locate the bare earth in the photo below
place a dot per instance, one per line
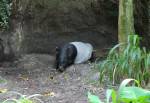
(35, 74)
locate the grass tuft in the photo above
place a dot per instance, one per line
(132, 62)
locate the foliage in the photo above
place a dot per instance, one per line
(93, 98)
(5, 11)
(125, 94)
(132, 62)
(2, 80)
(24, 99)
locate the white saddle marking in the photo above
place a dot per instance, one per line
(84, 51)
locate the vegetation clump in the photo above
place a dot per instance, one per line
(125, 94)
(5, 12)
(131, 62)
(23, 98)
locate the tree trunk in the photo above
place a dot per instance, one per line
(148, 18)
(126, 20)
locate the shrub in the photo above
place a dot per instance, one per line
(5, 11)
(131, 62)
(23, 98)
(125, 94)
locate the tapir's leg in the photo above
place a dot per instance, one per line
(56, 58)
(56, 64)
(93, 56)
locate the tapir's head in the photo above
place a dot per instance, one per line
(65, 56)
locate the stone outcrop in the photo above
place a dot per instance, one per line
(39, 25)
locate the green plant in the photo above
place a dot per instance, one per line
(23, 98)
(125, 94)
(2, 80)
(5, 12)
(131, 62)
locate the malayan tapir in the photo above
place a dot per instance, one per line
(73, 53)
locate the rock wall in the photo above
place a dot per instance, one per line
(37, 26)
(142, 20)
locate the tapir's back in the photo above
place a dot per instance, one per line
(84, 51)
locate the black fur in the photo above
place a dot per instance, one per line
(65, 56)
(93, 56)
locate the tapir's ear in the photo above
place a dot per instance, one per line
(57, 48)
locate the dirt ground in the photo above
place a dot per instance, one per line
(35, 74)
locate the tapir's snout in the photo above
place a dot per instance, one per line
(61, 68)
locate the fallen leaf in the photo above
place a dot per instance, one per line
(2, 90)
(52, 94)
(24, 78)
(51, 78)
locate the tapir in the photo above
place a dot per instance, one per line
(73, 53)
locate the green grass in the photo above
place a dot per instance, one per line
(125, 94)
(23, 98)
(2, 80)
(132, 62)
